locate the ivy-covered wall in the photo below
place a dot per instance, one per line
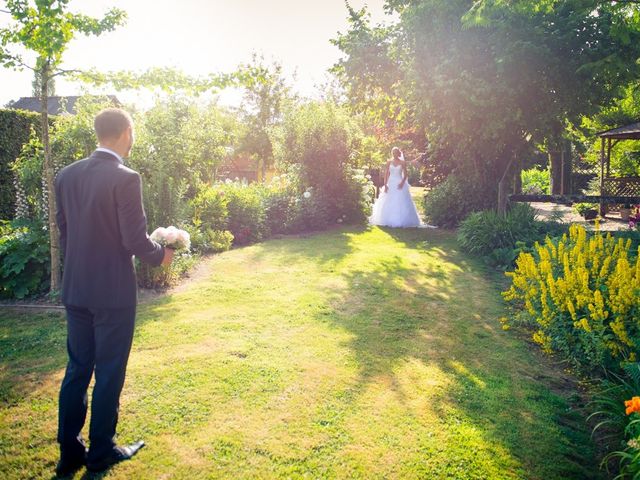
(15, 126)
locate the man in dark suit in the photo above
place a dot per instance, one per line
(102, 226)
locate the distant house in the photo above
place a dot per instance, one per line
(241, 167)
(55, 105)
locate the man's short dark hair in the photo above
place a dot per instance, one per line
(110, 123)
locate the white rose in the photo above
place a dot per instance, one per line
(306, 194)
(159, 234)
(172, 235)
(184, 238)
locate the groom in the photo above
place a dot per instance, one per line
(102, 226)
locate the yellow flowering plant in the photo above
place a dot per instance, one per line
(581, 292)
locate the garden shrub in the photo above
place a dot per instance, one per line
(582, 294)
(208, 240)
(24, 259)
(15, 129)
(246, 219)
(501, 238)
(167, 275)
(583, 207)
(536, 181)
(209, 208)
(319, 138)
(616, 408)
(450, 202)
(29, 180)
(179, 146)
(308, 212)
(279, 208)
(72, 138)
(483, 232)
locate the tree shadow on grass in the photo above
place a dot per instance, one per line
(323, 247)
(436, 311)
(32, 346)
(448, 318)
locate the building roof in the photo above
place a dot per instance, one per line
(55, 105)
(628, 132)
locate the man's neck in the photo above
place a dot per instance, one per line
(111, 150)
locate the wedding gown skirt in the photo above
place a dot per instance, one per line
(395, 208)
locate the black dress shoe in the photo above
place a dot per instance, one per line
(118, 454)
(70, 464)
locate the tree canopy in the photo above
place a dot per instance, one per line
(46, 27)
(488, 80)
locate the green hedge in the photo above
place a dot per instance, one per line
(15, 126)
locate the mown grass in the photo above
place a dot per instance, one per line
(357, 353)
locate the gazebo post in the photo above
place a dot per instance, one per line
(609, 148)
(602, 160)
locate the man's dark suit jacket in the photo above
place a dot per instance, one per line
(102, 225)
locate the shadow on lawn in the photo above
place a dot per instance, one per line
(396, 312)
(449, 319)
(32, 346)
(325, 247)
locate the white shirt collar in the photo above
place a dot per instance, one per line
(102, 149)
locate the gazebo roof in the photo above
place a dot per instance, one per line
(628, 132)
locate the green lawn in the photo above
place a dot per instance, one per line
(357, 353)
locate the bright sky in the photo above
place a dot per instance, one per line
(204, 36)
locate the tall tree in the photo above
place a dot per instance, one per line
(46, 27)
(266, 92)
(36, 85)
(490, 79)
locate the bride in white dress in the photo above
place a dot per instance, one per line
(394, 207)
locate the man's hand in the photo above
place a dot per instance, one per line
(168, 256)
(400, 185)
(386, 188)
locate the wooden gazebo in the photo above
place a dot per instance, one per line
(613, 190)
(627, 188)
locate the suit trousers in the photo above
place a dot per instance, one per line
(98, 341)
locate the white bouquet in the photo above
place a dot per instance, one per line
(172, 237)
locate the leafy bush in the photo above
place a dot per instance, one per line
(582, 208)
(209, 208)
(72, 138)
(450, 202)
(616, 408)
(246, 220)
(167, 275)
(179, 146)
(536, 181)
(309, 212)
(15, 129)
(279, 208)
(320, 137)
(358, 196)
(24, 259)
(582, 294)
(207, 240)
(501, 238)
(483, 232)
(29, 175)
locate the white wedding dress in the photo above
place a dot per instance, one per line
(395, 208)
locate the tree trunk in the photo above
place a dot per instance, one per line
(567, 167)
(504, 186)
(49, 173)
(517, 177)
(555, 162)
